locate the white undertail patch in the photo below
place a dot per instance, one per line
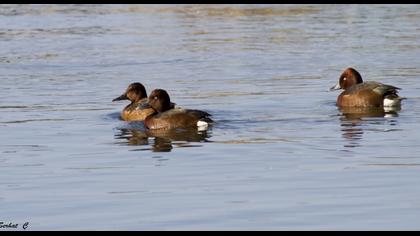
(202, 125)
(391, 102)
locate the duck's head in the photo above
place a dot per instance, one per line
(348, 78)
(134, 92)
(159, 100)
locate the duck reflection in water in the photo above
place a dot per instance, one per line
(162, 140)
(353, 120)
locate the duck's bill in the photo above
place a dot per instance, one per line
(122, 97)
(335, 87)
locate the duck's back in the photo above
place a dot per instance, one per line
(371, 86)
(367, 94)
(177, 118)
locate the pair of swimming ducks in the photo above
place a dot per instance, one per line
(158, 112)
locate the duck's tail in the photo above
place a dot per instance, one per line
(393, 100)
(204, 119)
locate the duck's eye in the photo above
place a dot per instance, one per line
(344, 78)
(155, 98)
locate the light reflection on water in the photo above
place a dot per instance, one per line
(280, 154)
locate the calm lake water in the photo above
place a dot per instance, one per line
(280, 156)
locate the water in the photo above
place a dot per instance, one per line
(280, 155)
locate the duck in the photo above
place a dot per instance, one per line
(167, 116)
(134, 111)
(370, 94)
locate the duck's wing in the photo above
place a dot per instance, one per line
(379, 88)
(197, 114)
(200, 115)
